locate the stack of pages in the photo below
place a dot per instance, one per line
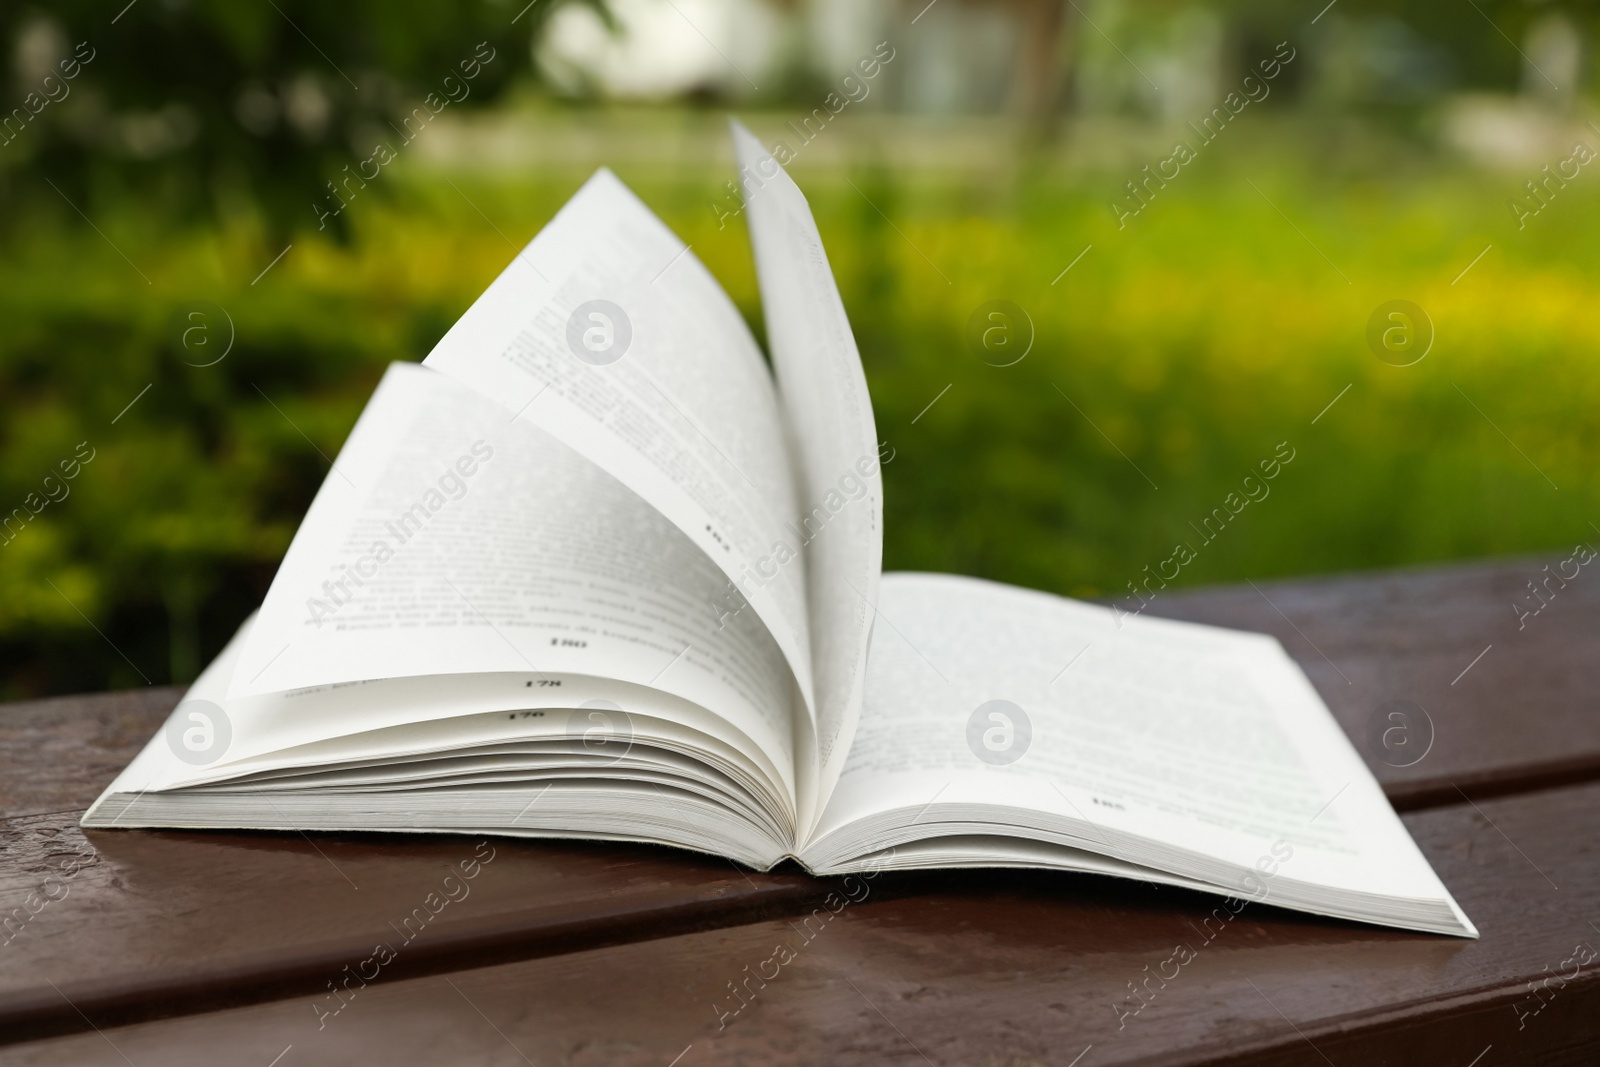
(595, 570)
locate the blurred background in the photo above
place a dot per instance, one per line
(1102, 258)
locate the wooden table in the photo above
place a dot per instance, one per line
(209, 948)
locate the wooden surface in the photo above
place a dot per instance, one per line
(203, 947)
(982, 969)
(1523, 716)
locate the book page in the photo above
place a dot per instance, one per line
(389, 725)
(607, 333)
(451, 538)
(824, 394)
(1207, 741)
(489, 766)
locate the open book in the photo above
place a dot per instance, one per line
(594, 570)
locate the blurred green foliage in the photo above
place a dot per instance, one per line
(183, 338)
(1176, 353)
(215, 107)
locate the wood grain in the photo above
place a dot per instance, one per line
(152, 922)
(1522, 717)
(59, 754)
(1013, 969)
(158, 924)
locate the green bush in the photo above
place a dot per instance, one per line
(1173, 357)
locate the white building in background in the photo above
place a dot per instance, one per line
(837, 33)
(664, 48)
(972, 56)
(1032, 58)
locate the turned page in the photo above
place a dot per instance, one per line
(452, 539)
(824, 394)
(607, 333)
(1208, 742)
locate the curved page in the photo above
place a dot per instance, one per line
(989, 703)
(453, 539)
(607, 333)
(824, 395)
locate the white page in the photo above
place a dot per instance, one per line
(452, 538)
(824, 394)
(1202, 739)
(685, 415)
(387, 723)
